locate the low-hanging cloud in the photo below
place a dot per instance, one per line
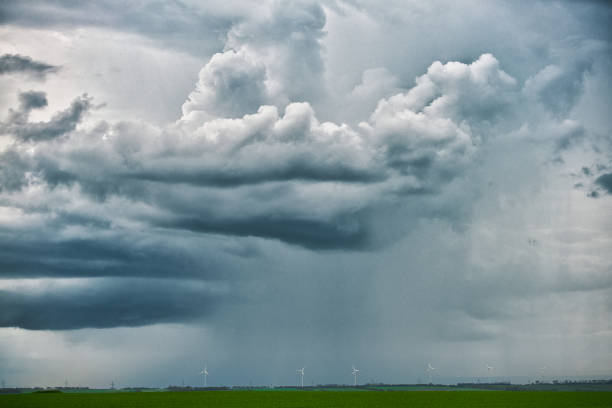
(60, 124)
(100, 304)
(605, 182)
(15, 63)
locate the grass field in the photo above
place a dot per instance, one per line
(319, 399)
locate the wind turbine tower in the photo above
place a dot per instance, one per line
(429, 370)
(543, 371)
(204, 374)
(489, 368)
(355, 374)
(301, 374)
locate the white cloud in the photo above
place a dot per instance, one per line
(230, 85)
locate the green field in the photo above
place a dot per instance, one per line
(303, 399)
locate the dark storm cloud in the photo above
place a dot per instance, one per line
(348, 232)
(171, 22)
(303, 168)
(33, 258)
(248, 163)
(12, 170)
(107, 303)
(14, 63)
(60, 124)
(559, 86)
(232, 180)
(605, 181)
(32, 100)
(561, 94)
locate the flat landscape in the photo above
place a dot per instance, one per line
(303, 399)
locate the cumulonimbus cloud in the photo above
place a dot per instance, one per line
(415, 141)
(248, 159)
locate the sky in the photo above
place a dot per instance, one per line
(261, 188)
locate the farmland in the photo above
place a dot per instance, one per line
(353, 399)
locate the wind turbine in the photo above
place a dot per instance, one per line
(542, 370)
(489, 368)
(301, 374)
(204, 374)
(355, 374)
(429, 369)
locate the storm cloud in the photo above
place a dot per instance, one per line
(415, 141)
(61, 123)
(14, 63)
(605, 181)
(320, 197)
(107, 304)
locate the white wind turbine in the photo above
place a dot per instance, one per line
(429, 370)
(355, 374)
(301, 374)
(489, 368)
(543, 371)
(204, 374)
